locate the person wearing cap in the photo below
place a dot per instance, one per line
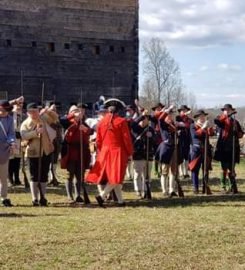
(114, 146)
(38, 135)
(165, 151)
(199, 130)
(226, 124)
(77, 131)
(183, 122)
(7, 146)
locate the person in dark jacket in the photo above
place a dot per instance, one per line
(165, 151)
(199, 130)
(144, 150)
(183, 121)
(76, 132)
(228, 127)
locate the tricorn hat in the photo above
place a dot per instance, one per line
(5, 105)
(183, 108)
(228, 107)
(200, 112)
(114, 102)
(158, 105)
(82, 106)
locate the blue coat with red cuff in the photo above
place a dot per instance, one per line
(198, 136)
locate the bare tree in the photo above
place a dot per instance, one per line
(162, 75)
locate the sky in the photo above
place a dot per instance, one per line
(207, 39)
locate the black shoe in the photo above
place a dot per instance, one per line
(54, 183)
(196, 191)
(35, 203)
(99, 200)
(173, 194)
(79, 199)
(43, 202)
(7, 203)
(17, 183)
(123, 204)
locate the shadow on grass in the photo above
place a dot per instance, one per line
(15, 215)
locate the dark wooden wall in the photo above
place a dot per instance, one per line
(73, 46)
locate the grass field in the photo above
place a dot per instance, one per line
(197, 232)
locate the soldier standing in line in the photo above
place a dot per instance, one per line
(39, 138)
(230, 131)
(183, 122)
(200, 131)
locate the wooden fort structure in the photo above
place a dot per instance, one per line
(75, 48)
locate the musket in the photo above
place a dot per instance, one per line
(23, 164)
(85, 193)
(233, 174)
(147, 190)
(40, 152)
(176, 156)
(205, 188)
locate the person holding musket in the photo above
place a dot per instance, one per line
(183, 122)
(75, 159)
(200, 131)
(144, 150)
(156, 112)
(165, 151)
(7, 146)
(115, 147)
(228, 149)
(38, 136)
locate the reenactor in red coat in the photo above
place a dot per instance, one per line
(77, 162)
(114, 146)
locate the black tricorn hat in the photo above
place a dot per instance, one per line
(82, 106)
(200, 112)
(130, 107)
(183, 108)
(228, 107)
(158, 105)
(6, 106)
(114, 102)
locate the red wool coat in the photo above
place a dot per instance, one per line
(114, 147)
(73, 138)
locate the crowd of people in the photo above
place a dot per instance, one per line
(119, 140)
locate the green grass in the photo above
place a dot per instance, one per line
(197, 232)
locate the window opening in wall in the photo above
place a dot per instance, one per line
(122, 49)
(97, 49)
(67, 46)
(111, 48)
(8, 43)
(51, 46)
(34, 44)
(80, 47)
